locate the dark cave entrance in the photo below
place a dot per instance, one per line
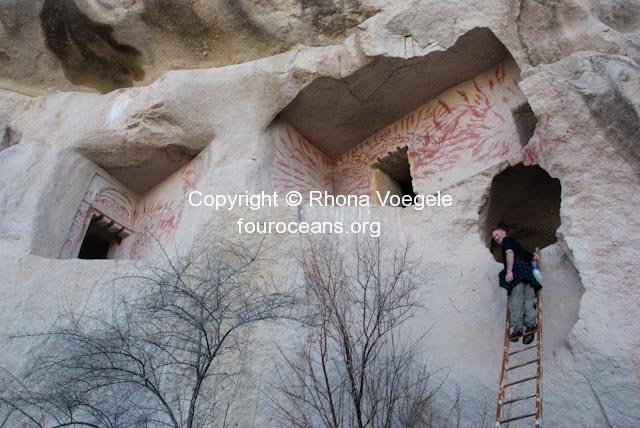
(99, 241)
(525, 201)
(525, 121)
(392, 173)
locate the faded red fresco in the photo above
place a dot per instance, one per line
(102, 197)
(470, 124)
(157, 221)
(530, 156)
(78, 228)
(295, 163)
(152, 222)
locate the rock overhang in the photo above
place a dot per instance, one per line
(335, 115)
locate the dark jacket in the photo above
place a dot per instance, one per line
(522, 272)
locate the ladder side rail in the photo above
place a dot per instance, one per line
(503, 371)
(538, 422)
(505, 368)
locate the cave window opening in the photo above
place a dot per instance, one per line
(392, 173)
(101, 239)
(525, 201)
(525, 122)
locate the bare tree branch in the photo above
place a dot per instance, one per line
(355, 367)
(151, 359)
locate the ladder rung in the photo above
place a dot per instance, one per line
(517, 417)
(521, 350)
(519, 399)
(523, 364)
(520, 381)
(506, 353)
(527, 333)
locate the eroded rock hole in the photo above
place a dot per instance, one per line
(10, 137)
(525, 122)
(87, 50)
(392, 173)
(101, 239)
(525, 201)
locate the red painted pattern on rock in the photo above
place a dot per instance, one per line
(160, 219)
(464, 125)
(530, 156)
(296, 164)
(102, 198)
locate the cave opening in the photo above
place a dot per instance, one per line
(525, 121)
(525, 201)
(100, 240)
(392, 173)
(392, 103)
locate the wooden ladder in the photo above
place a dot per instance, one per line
(509, 382)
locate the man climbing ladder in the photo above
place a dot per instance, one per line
(524, 316)
(521, 285)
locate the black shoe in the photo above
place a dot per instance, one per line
(529, 338)
(515, 334)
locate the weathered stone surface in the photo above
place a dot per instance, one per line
(597, 221)
(338, 114)
(441, 78)
(607, 26)
(11, 106)
(102, 45)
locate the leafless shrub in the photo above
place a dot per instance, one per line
(152, 359)
(357, 367)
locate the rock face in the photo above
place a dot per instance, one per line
(102, 45)
(463, 92)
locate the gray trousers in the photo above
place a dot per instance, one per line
(521, 310)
